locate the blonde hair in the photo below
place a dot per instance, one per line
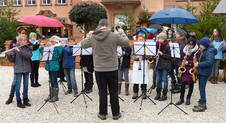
(70, 38)
(20, 38)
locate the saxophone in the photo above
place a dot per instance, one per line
(193, 71)
(182, 68)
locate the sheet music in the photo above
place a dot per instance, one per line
(77, 50)
(47, 53)
(175, 50)
(221, 45)
(150, 48)
(119, 51)
(150, 40)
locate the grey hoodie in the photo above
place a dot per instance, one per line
(104, 44)
(21, 59)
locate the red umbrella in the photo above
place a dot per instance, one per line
(41, 21)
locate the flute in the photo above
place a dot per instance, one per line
(157, 60)
(28, 44)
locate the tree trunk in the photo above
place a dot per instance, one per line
(88, 27)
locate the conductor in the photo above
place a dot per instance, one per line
(104, 44)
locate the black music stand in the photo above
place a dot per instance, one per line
(175, 53)
(78, 51)
(144, 49)
(47, 56)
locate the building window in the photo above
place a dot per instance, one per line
(46, 2)
(61, 1)
(63, 21)
(3, 2)
(17, 2)
(30, 2)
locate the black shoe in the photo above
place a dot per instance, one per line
(9, 100)
(101, 116)
(33, 85)
(187, 101)
(117, 117)
(144, 96)
(135, 95)
(26, 102)
(19, 104)
(164, 96)
(180, 102)
(89, 91)
(68, 91)
(153, 86)
(158, 94)
(37, 84)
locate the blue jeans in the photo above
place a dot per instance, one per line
(70, 77)
(162, 75)
(53, 78)
(171, 73)
(18, 77)
(202, 88)
(13, 86)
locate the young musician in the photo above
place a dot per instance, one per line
(53, 67)
(21, 56)
(124, 65)
(204, 66)
(35, 60)
(69, 67)
(162, 66)
(138, 71)
(190, 51)
(182, 41)
(216, 41)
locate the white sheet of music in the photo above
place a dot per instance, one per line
(150, 48)
(47, 53)
(175, 50)
(77, 50)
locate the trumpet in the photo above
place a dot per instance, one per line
(193, 71)
(150, 60)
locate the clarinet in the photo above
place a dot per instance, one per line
(140, 63)
(157, 60)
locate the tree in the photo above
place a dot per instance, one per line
(87, 15)
(129, 21)
(208, 21)
(8, 24)
(143, 15)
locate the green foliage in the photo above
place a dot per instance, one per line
(143, 15)
(189, 7)
(207, 20)
(84, 14)
(129, 22)
(8, 24)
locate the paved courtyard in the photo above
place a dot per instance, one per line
(77, 112)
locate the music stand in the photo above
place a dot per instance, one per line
(47, 56)
(78, 51)
(175, 53)
(144, 49)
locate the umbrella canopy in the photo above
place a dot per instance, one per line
(141, 30)
(173, 16)
(156, 26)
(221, 7)
(151, 30)
(41, 21)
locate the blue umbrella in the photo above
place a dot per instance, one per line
(173, 16)
(151, 30)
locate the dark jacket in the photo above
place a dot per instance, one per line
(206, 61)
(164, 60)
(21, 59)
(104, 44)
(87, 61)
(68, 59)
(126, 58)
(186, 77)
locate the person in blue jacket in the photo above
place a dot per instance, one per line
(69, 67)
(53, 67)
(204, 67)
(216, 41)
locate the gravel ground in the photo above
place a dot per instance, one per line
(77, 112)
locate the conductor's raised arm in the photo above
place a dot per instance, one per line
(122, 39)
